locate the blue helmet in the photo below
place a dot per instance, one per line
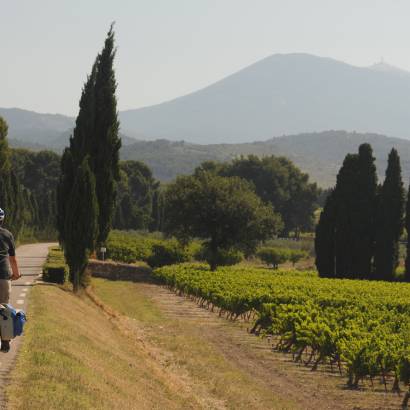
(1, 214)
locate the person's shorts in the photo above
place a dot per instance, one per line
(5, 290)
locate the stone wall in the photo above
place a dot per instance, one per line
(118, 271)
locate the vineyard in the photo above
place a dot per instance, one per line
(358, 328)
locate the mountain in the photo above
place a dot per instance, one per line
(282, 94)
(319, 154)
(34, 128)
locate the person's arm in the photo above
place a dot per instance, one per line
(14, 268)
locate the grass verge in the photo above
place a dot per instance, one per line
(215, 380)
(73, 356)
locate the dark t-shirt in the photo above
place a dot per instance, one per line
(7, 248)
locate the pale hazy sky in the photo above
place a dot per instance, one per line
(167, 48)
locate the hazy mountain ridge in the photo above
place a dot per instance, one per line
(35, 128)
(280, 95)
(318, 154)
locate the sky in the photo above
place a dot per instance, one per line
(169, 48)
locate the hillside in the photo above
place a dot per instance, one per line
(35, 128)
(282, 94)
(319, 154)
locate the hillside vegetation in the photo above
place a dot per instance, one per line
(319, 154)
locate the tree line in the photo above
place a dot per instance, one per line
(30, 182)
(362, 221)
(28, 189)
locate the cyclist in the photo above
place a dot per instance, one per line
(7, 260)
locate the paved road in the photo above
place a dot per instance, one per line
(30, 259)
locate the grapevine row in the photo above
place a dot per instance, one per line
(361, 327)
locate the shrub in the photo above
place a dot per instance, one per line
(167, 253)
(224, 257)
(55, 269)
(129, 247)
(273, 256)
(297, 255)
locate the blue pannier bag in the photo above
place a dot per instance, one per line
(19, 319)
(18, 323)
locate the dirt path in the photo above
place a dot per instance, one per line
(296, 383)
(30, 259)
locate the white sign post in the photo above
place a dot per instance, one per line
(103, 250)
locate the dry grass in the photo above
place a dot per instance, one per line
(74, 357)
(217, 381)
(219, 360)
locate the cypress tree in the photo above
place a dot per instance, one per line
(389, 223)
(345, 193)
(366, 202)
(106, 143)
(64, 189)
(95, 138)
(81, 223)
(407, 224)
(355, 196)
(83, 140)
(325, 239)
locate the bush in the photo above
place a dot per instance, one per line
(129, 247)
(273, 256)
(306, 244)
(55, 269)
(297, 255)
(224, 257)
(167, 253)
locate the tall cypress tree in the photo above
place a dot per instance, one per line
(64, 189)
(106, 143)
(389, 222)
(345, 193)
(407, 225)
(325, 239)
(355, 197)
(364, 238)
(95, 137)
(81, 223)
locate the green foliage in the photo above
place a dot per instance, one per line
(11, 192)
(274, 256)
(407, 226)
(224, 212)
(4, 148)
(55, 269)
(277, 181)
(325, 239)
(295, 256)
(138, 203)
(223, 257)
(389, 220)
(81, 223)
(346, 230)
(89, 167)
(366, 336)
(129, 247)
(38, 173)
(168, 253)
(105, 142)
(65, 185)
